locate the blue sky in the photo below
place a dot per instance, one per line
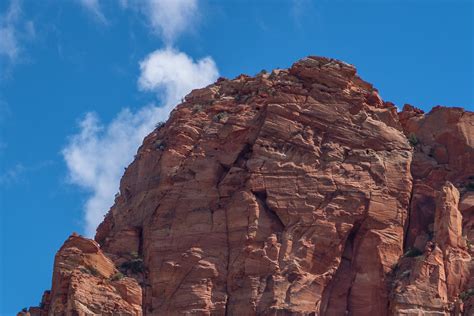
(81, 82)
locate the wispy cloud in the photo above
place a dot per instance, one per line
(13, 29)
(93, 7)
(166, 18)
(17, 173)
(123, 4)
(12, 175)
(96, 156)
(98, 153)
(170, 18)
(300, 10)
(5, 113)
(9, 43)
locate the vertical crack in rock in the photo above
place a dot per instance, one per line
(408, 220)
(335, 298)
(140, 241)
(241, 160)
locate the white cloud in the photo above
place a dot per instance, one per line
(96, 156)
(172, 74)
(170, 18)
(12, 30)
(93, 7)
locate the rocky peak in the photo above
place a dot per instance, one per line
(294, 192)
(448, 219)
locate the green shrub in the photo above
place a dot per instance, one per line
(134, 265)
(220, 116)
(468, 243)
(197, 108)
(413, 252)
(470, 186)
(160, 144)
(160, 125)
(117, 276)
(90, 270)
(466, 294)
(413, 140)
(94, 271)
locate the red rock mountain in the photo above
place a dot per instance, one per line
(295, 192)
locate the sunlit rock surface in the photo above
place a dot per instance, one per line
(295, 192)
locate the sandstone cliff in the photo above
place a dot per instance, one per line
(295, 192)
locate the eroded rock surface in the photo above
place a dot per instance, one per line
(287, 193)
(430, 282)
(436, 276)
(86, 282)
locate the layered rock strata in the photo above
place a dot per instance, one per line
(295, 192)
(86, 282)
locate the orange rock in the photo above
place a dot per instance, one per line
(266, 184)
(431, 281)
(286, 193)
(444, 151)
(448, 219)
(84, 284)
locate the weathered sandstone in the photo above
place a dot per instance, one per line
(86, 282)
(295, 192)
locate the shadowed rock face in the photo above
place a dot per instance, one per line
(291, 193)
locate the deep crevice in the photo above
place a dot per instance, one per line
(140, 241)
(261, 197)
(408, 220)
(343, 277)
(244, 155)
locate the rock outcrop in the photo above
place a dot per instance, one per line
(435, 275)
(295, 192)
(86, 282)
(429, 282)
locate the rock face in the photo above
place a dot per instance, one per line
(431, 281)
(298, 192)
(436, 276)
(86, 282)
